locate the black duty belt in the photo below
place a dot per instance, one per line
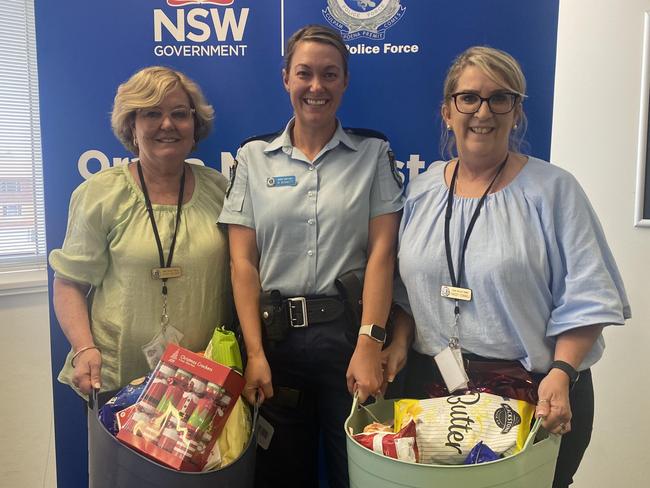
(305, 311)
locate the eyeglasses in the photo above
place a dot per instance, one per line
(499, 103)
(179, 115)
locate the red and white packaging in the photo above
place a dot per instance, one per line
(401, 445)
(170, 431)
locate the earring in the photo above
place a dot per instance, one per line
(448, 127)
(515, 127)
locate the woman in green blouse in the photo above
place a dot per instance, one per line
(143, 262)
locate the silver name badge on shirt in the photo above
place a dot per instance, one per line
(456, 293)
(275, 181)
(165, 273)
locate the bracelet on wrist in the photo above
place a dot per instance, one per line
(83, 349)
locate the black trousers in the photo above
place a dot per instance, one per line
(421, 371)
(310, 400)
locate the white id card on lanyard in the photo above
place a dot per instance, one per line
(450, 359)
(450, 364)
(154, 349)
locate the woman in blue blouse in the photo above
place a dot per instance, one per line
(501, 256)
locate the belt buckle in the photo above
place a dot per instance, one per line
(295, 319)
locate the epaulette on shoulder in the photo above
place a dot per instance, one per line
(263, 137)
(365, 133)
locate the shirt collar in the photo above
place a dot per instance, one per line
(284, 139)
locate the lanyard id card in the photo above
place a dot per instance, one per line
(450, 364)
(154, 349)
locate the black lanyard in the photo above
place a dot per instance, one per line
(147, 202)
(456, 280)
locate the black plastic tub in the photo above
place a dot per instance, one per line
(112, 464)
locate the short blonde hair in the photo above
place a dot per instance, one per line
(501, 68)
(147, 88)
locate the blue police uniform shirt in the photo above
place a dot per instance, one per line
(311, 220)
(537, 263)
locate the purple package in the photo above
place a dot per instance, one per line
(481, 453)
(126, 397)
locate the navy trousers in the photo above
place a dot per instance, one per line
(311, 400)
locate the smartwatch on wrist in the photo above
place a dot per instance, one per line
(376, 333)
(568, 369)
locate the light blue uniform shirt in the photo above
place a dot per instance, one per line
(537, 263)
(311, 220)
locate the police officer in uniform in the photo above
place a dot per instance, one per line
(307, 209)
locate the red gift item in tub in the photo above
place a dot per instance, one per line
(400, 445)
(193, 397)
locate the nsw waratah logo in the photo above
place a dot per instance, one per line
(180, 3)
(363, 18)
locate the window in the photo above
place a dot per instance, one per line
(9, 186)
(11, 210)
(22, 223)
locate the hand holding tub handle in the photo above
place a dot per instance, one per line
(365, 369)
(364, 375)
(87, 364)
(570, 350)
(71, 307)
(258, 379)
(553, 404)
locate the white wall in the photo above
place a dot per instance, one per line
(595, 125)
(27, 432)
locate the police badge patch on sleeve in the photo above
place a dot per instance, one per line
(233, 175)
(393, 169)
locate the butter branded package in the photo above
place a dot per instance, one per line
(448, 428)
(182, 411)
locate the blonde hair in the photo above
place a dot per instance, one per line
(147, 88)
(501, 68)
(316, 33)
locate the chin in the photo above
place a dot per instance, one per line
(317, 120)
(484, 150)
(172, 156)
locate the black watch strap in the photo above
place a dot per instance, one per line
(568, 369)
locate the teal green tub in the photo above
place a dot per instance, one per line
(532, 467)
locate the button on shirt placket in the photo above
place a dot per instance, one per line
(311, 174)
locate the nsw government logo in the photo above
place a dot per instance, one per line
(363, 18)
(199, 28)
